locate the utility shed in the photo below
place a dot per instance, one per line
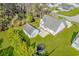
(30, 31)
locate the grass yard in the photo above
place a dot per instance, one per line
(36, 23)
(5, 39)
(62, 42)
(12, 39)
(70, 13)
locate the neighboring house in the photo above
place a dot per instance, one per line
(65, 7)
(30, 31)
(75, 43)
(53, 25)
(52, 5)
(76, 5)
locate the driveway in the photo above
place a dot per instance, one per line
(43, 33)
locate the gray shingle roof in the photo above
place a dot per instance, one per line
(51, 22)
(29, 29)
(66, 6)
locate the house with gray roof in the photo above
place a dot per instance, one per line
(75, 43)
(76, 5)
(65, 7)
(30, 31)
(52, 5)
(53, 25)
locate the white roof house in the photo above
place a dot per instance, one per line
(52, 5)
(75, 43)
(65, 7)
(53, 25)
(30, 31)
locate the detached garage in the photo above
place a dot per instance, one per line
(30, 31)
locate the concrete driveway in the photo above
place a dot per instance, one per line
(43, 33)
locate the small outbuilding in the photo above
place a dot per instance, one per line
(30, 31)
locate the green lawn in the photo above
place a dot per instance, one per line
(36, 23)
(70, 13)
(62, 42)
(5, 39)
(12, 39)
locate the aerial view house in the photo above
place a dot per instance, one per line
(52, 5)
(76, 5)
(65, 7)
(53, 25)
(75, 43)
(30, 31)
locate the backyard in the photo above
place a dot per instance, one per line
(61, 42)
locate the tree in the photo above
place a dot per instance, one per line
(7, 51)
(29, 17)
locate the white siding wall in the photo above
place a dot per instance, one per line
(61, 27)
(35, 32)
(26, 33)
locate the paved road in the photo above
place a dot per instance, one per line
(72, 18)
